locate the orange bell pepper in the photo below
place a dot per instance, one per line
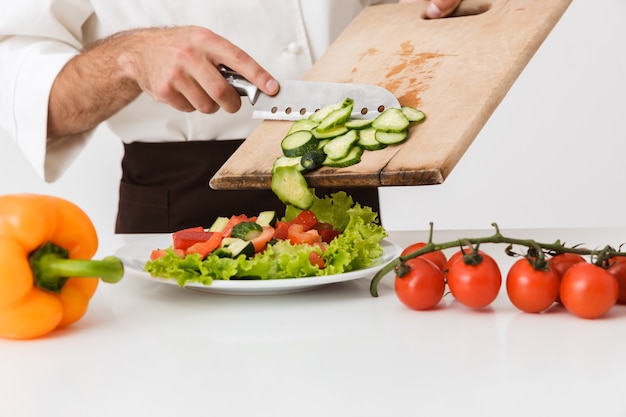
(46, 275)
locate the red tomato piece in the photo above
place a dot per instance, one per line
(422, 287)
(306, 218)
(475, 286)
(316, 260)
(232, 222)
(529, 289)
(187, 237)
(205, 248)
(280, 230)
(438, 258)
(260, 241)
(588, 291)
(157, 253)
(328, 235)
(297, 235)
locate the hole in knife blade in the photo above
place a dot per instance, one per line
(381, 109)
(274, 109)
(303, 111)
(288, 110)
(364, 111)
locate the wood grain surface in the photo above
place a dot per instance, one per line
(457, 70)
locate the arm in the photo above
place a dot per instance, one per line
(177, 66)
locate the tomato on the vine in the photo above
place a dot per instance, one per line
(588, 291)
(437, 257)
(457, 256)
(531, 290)
(422, 287)
(563, 261)
(475, 286)
(617, 268)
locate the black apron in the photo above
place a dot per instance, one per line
(165, 187)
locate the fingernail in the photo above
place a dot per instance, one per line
(272, 86)
(432, 11)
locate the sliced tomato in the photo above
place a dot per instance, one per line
(205, 248)
(296, 235)
(187, 237)
(306, 218)
(328, 235)
(280, 230)
(232, 222)
(260, 241)
(316, 260)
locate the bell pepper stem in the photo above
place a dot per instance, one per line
(51, 268)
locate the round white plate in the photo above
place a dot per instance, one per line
(134, 257)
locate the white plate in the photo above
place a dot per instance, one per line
(134, 257)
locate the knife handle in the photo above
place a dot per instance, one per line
(240, 84)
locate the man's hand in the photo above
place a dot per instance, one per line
(177, 66)
(437, 8)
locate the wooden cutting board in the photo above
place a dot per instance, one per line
(457, 70)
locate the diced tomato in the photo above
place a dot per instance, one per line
(157, 253)
(328, 235)
(323, 226)
(261, 240)
(306, 218)
(187, 237)
(316, 259)
(205, 248)
(232, 222)
(296, 234)
(280, 230)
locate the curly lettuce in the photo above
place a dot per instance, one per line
(357, 247)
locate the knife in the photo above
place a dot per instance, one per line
(299, 99)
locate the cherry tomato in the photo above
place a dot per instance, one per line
(588, 291)
(438, 257)
(422, 287)
(563, 261)
(529, 289)
(458, 256)
(617, 268)
(475, 286)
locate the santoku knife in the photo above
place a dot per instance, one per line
(299, 99)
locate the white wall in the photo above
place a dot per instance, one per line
(552, 155)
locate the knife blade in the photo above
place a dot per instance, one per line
(299, 99)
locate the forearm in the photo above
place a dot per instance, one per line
(89, 89)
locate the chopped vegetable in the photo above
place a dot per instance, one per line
(48, 277)
(291, 188)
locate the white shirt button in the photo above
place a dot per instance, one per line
(294, 48)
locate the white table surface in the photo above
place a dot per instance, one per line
(151, 349)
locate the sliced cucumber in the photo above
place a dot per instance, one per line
(288, 161)
(353, 157)
(358, 123)
(332, 133)
(302, 124)
(391, 120)
(391, 138)
(232, 247)
(338, 148)
(298, 143)
(291, 188)
(246, 230)
(267, 218)
(367, 140)
(412, 114)
(219, 224)
(337, 117)
(319, 115)
(321, 143)
(313, 159)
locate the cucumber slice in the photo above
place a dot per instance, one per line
(313, 160)
(302, 124)
(337, 117)
(391, 138)
(288, 161)
(267, 218)
(367, 140)
(353, 157)
(219, 224)
(232, 247)
(391, 120)
(332, 133)
(412, 114)
(291, 188)
(358, 123)
(298, 143)
(246, 230)
(320, 114)
(339, 147)
(322, 143)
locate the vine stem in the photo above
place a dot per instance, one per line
(599, 257)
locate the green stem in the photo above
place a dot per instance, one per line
(541, 248)
(51, 268)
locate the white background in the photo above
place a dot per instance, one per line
(552, 155)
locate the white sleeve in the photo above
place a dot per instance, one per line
(34, 47)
